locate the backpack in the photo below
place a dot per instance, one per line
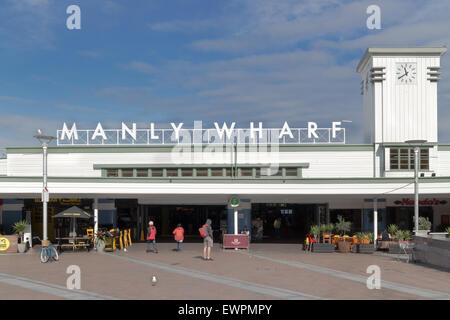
(202, 231)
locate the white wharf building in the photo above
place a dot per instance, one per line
(126, 185)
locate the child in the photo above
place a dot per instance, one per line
(151, 236)
(179, 236)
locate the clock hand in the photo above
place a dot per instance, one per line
(402, 76)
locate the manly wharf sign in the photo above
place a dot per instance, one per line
(130, 134)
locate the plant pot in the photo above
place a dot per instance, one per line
(363, 248)
(422, 233)
(22, 247)
(323, 247)
(344, 246)
(100, 246)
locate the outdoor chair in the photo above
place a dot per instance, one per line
(326, 238)
(90, 233)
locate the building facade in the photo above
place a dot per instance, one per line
(301, 183)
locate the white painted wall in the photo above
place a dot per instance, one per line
(3, 170)
(401, 112)
(323, 164)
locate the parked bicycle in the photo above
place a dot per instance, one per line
(48, 251)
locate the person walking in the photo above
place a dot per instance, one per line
(207, 233)
(276, 227)
(178, 235)
(151, 237)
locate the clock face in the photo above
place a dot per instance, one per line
(406, 73)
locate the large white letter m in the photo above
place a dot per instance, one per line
(69, 133)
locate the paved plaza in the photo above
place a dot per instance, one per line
(266, 271)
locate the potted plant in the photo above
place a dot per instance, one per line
(317, 246)
(99, 242)
(448, 232)
(392, 230)
(424, 226)
(19, 228)
(407, 235)
(323, 230)
(343, 227)
(365, 243)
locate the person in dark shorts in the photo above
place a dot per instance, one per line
(207, 241)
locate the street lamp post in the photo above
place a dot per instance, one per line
(44, 140)
(416, 144)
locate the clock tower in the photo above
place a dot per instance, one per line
(399, 88)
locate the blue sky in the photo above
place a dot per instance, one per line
(163, 61)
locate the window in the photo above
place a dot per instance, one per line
(228, 172)
(202, 172)
(216, 172)
(186, 172)
(112, 172)
(275, 172)
(127, 173)
(291, 172)
(424, 159)
(394, 158)
(246, 172)
(403, 159)
(142, 172)
(172, 172)
(157, 172)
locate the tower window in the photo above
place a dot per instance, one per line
(403, 159)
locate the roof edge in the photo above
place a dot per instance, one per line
(372, 51)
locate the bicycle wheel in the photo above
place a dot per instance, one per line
(54, 254)
(44, 255)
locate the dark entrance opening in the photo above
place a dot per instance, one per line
(191, 217)
(295, 221)
(403, 217)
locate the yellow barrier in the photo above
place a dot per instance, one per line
(120, 239)
(129, 237)
(125, 238)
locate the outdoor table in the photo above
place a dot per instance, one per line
(74, 241)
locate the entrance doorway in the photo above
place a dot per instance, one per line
(294, 221)
(191, 217)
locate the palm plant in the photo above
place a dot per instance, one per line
(315, 231)
(447, 230)
(19, 228)
(360, 236)
(407, 235)
(392, 229)
(370, 237)
(399, 235)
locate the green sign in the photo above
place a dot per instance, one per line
(234, 202)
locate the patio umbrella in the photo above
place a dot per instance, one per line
(74, 213)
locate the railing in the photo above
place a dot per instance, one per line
(200, 136)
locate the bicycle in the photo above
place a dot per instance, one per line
(47, 252)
